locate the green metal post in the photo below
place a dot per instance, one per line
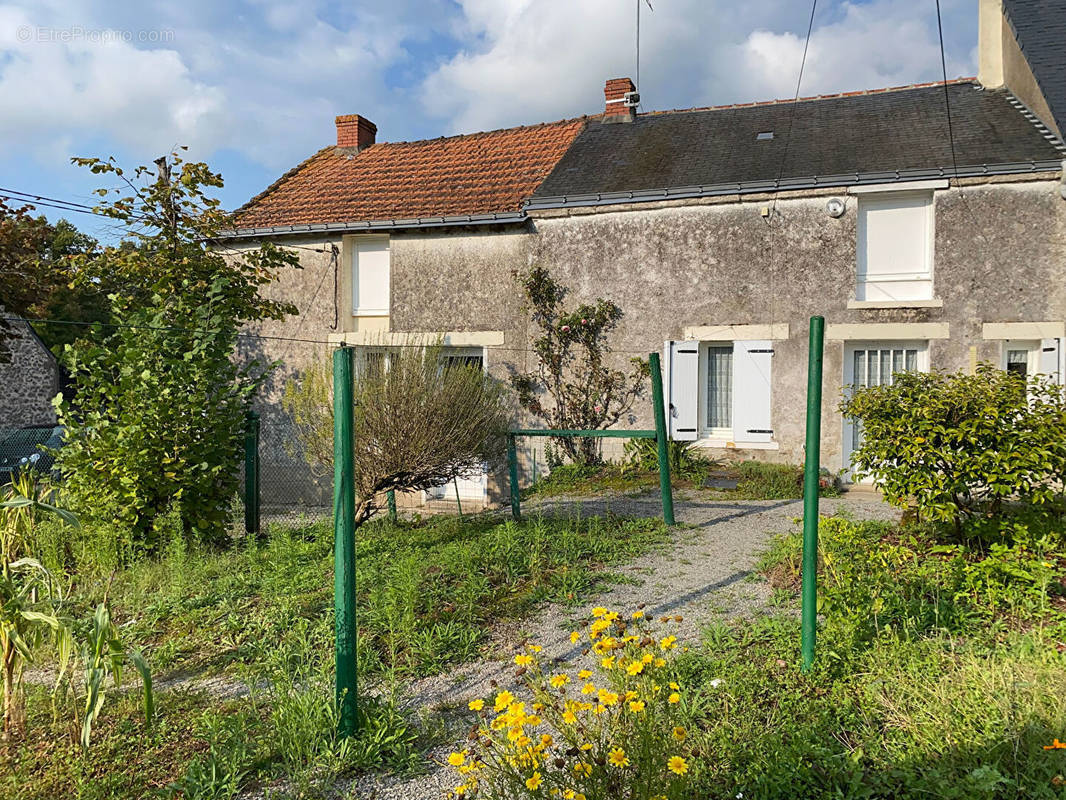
(344, 540)
(458, 504)
(812, 464)
(391, 497)
(251, 474)
(512, 468)
(660, 438)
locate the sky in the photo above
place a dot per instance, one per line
(252, 86)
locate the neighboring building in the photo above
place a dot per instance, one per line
(29, 380)
(719, 231)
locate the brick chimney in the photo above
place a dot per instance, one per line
(618, 109)
(355, 131)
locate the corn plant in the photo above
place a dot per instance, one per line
(30, 596)
(103, 654)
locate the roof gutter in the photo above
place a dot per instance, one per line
(502, 218)
(786, 184)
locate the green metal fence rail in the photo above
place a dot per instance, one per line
(251, 474)
(659, 435)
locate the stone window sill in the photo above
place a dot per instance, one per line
(936, 302)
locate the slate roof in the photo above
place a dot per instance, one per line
(476, 174)
(884, 130)
(1040, 29)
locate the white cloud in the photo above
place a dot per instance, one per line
(530, 61)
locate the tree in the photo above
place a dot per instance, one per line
(35, 273)
(572, 370)
(156, 420)
(418, 423)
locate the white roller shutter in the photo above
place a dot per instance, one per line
(682, 382)
(751, 391)
(1051, 359)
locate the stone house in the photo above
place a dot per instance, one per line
(30, 378)
(926, 224)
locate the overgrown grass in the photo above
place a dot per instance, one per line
(259, 617)
(756, 480)
(940, 673)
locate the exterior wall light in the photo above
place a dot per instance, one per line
(834, 207)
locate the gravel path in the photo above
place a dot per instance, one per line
(702, 574)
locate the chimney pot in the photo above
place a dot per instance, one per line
(355, 131)
(617, 109)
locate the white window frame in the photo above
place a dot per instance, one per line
(847, 427)
(863, 282)
(474, 488)
(359, 310)
(1032, 348)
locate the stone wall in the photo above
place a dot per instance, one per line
(28, 382)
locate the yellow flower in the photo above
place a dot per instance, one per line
(460, 790)
(677, 765)
(607, 662)
(630, 695)
(533, 721)
(569, 717)
(456, 759)
(535, 648)
(635, 668)
(637, 614)
(600, 709)
(673, 698)
(582, 768)
(667, 642)
(546, 739)
(611, 616)
(636, 706)
(674, 686)
(588, 688)
(586, 746)
(618, 758)
(559, 680)
(608, 698)
(598, 627)
(503, 699)
(579, 796)
(599, 611)
(660, 662)
(680, 733)
(585, 674)
(476, 705)
(575, 637)
(523, 660)
(534, 781)
(647, 658)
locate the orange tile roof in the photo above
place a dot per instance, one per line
(480, 173)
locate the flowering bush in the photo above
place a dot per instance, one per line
(612, 731)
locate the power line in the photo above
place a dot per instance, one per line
(947, 94)
(178, 329)
(784, 153)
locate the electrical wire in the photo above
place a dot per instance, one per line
(784, 156)
(179, 329)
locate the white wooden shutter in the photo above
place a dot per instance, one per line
(1051, 359)
(370, 277)
(751, 391)
(682, 381)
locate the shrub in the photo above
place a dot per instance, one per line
(611, 731)
(684, 459)
(417, 424)
(960, 445)
(572, 349)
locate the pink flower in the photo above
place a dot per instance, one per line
(584, 322)
(565, 329)
(599, 409)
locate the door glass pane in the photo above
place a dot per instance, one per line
(860, 368)
(886, 366)
(897, 361)
(1018, 362)
(719, 387)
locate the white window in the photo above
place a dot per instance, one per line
(877, 364)
(719, 391)
(370, 276)
(1034, 357)
(473, 486)
(895, 247)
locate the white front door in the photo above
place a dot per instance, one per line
(874, 364)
